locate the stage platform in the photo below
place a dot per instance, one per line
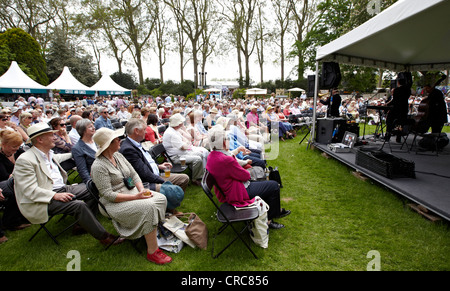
(430, 188)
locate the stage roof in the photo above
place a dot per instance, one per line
(411, 35)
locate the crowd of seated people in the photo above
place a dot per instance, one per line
(103, 140)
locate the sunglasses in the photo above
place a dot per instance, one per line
(62, 124)
(5, 119)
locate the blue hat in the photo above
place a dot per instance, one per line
(174, 194)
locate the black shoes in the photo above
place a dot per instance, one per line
(275, 225)
(284, 213)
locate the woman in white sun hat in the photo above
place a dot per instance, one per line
(135, 211)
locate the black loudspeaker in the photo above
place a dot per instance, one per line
(311, 85)
(393, 84)
(331, 75)
(407, 77)
(330, 130)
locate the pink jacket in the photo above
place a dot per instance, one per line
(230, 177)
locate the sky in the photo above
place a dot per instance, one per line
(220, 68)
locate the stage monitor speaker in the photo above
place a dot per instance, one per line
(330, 130)
(311, 85)
(331, 75)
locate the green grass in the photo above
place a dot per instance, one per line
(336, 221)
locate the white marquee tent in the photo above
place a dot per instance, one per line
(15, 81)
(256, 91)
(68, 84)
(411, 35)
(107, 86)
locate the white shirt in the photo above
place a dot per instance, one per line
(123, 115)
(74, 136)
(147, 156)
(55, 174)
(173, 142)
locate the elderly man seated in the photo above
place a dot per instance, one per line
(178, 147)
(41, 190)
(143, 163)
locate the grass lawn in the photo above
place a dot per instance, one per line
(336, 221)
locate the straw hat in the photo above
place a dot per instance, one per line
(37, 130)
(214, 111)
(176, 120)
(104, 136)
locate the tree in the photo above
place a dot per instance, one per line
(33, 16)
(240, 15)
(161, 26)
(125, 80)
(303, 14)
(135, 22)
(192, 18)
(62, 53)
(282, 11)
(27, 52)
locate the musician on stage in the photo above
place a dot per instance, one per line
(399, 103)
(333, 102)
(437, 114)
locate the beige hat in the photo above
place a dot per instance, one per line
(37, 130)
(104, 136)
(176, 120)
(214, 110)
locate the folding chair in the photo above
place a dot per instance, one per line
(10, 185)
(158, 151)
(52, 236)
(92, 189)
(404, 129)
(228, 215)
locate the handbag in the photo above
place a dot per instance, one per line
(275, 176)
(196, 230)
(178, 228)
(259, 229)
(168, 241)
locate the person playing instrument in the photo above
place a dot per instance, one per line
(399, 112)
(333, 102)
(437, 114)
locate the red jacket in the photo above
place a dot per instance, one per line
(230, 177)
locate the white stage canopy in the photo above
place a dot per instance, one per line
(411, 35)
(68, 84)
(15, 81)
(107, 86)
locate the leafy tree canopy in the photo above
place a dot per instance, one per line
(17, 45)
